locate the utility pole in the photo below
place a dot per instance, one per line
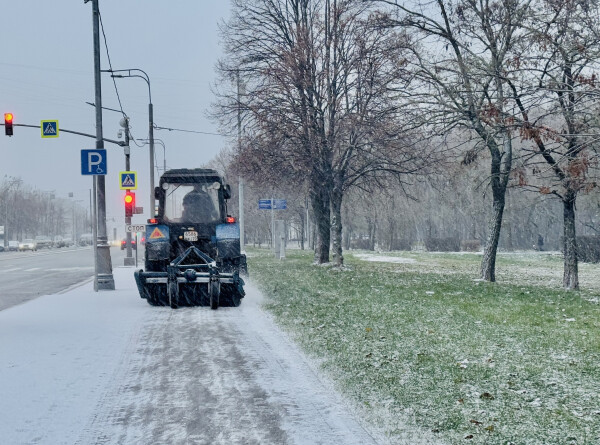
(240, 179)
(151, 123)
(103, 277)
(128, 261)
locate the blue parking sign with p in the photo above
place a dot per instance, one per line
(93, 162)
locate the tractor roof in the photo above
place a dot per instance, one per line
(186, 175)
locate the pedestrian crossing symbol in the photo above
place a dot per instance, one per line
(128, 180)
(49, 129)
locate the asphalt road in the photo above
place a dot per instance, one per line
(28, 275)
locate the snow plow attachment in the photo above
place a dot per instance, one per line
(192, 279)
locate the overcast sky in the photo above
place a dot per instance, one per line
(46, 72)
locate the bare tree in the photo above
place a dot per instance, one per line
(557, 98)
(318, 102)
(459, 82)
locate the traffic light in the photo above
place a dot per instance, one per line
(129, 203)
(8, 124)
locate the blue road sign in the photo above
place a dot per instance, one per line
(279, 204)
(128, 180)
(93, 162)
(49, 129)
(264, 204)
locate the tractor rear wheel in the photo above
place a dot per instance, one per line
(213, 292)
(173, 295)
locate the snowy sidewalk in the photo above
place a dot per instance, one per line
(85, 367)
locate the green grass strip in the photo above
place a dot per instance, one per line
(423, 345)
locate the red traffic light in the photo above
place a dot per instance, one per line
(8, 124)
(129, 203)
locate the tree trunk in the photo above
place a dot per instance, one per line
(499, 180)
(302, 229)
(336, 224)
(321, 206)
(570, 275)
(347, 235)
(372, 229)
(488, 262)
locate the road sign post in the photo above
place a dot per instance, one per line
(272, 205)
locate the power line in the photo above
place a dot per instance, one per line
(110, 64)
(156, 127)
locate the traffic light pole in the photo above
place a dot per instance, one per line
(103, 279)
(128, 261)
(62, 130)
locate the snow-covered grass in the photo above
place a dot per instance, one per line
(423, 343)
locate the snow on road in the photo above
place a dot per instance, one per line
(84, 367)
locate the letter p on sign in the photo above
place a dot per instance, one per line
(93, 162)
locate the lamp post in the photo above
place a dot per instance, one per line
(103, 276)
(73, 217)
(161, 142)
(150, 121)
(13, 182)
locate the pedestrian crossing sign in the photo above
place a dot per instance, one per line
(49, 129)
(128, 180)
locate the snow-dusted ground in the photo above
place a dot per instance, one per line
(103, 368)
(383, 259)
(527, 267)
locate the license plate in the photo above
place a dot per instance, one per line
(190, 236)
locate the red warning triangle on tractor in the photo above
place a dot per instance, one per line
(157, 234)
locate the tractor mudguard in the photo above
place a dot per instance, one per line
(228, 240)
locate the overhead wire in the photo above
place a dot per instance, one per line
(110, 64)
(156, 127)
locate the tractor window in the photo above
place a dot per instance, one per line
(196, 203)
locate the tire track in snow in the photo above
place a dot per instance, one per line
(218, 377)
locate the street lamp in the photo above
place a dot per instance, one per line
(150, 119)
(73, 218)
(13, 182)
(160, 141)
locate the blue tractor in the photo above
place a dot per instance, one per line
(193, 255)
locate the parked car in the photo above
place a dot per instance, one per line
(1, 247)
(43, 242)
(58, 241)
(27, 244)
(13, 246)
(124, 243)
(86, 239)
